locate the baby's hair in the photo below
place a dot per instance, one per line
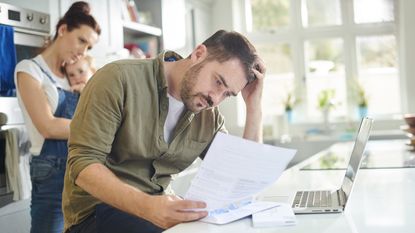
(91, 63)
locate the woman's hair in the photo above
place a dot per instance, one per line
(78, 15)
(223, 46)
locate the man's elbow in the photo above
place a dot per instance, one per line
(82, 178)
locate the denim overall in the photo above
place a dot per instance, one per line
(47, 171)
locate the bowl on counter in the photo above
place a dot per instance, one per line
(408, 129)
(410, 120)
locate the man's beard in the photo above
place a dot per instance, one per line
(186, 92)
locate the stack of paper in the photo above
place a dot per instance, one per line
(233, 172)
(281, 215)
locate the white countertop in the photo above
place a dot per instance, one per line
(382, 201)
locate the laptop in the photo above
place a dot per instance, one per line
(333, 201)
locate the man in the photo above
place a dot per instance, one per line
(140, 121)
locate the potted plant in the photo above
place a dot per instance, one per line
(362, 100)
(289, 102)
(325, 100)
(359, 97)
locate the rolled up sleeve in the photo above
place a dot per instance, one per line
(96, 120)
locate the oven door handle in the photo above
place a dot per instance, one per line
(30, 32)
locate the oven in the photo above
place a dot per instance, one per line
(31, 28)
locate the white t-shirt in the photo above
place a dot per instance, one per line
(48, 87)
(176, 108)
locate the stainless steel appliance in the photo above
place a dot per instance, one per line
(31, 28)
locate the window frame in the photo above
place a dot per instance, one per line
(296, 35)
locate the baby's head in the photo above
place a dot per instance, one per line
(80, 71)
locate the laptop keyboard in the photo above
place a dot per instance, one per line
(312, 199)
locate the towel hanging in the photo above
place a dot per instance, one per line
(7, 61)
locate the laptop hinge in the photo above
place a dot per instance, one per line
(342, 197)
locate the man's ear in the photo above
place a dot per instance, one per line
(199, 53)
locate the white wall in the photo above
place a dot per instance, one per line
(198, 24)
(407, 52)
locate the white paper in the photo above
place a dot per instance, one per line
(281, 215)
(234, 171)
(229, 215)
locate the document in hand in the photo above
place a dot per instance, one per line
(233, 172)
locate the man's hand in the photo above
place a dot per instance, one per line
(163, 211)
(252, 93)
(166, 211)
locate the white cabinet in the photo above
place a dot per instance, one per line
(146, 32)
(116, 31)
(192, 25)
(198, 24)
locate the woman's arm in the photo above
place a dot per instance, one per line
(39, 110)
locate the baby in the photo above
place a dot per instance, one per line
(79, 73)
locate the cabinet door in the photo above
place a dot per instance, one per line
(197, 26)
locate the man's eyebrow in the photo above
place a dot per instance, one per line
(225, 84)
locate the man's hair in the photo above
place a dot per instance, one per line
(223, 46)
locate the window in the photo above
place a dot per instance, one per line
(278, 60)
(317, 45)
(378, 71)
(373, 11)
(270, 14)
(325, 71)
(321, 13)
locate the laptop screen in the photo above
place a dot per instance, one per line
(356, 156)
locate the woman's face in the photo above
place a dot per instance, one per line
(74, 44)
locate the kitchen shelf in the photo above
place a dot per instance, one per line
(139, 29)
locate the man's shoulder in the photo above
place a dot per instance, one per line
(131, 67)
(127, 67)
(133, 62)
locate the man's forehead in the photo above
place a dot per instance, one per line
(233, 81)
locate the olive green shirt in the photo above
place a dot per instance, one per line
(119, 122)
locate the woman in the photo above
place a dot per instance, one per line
(47, 107)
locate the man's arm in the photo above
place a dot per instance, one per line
(252, 95)
(164, 211)
(93, 129)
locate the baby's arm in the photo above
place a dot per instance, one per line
(78, 87)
